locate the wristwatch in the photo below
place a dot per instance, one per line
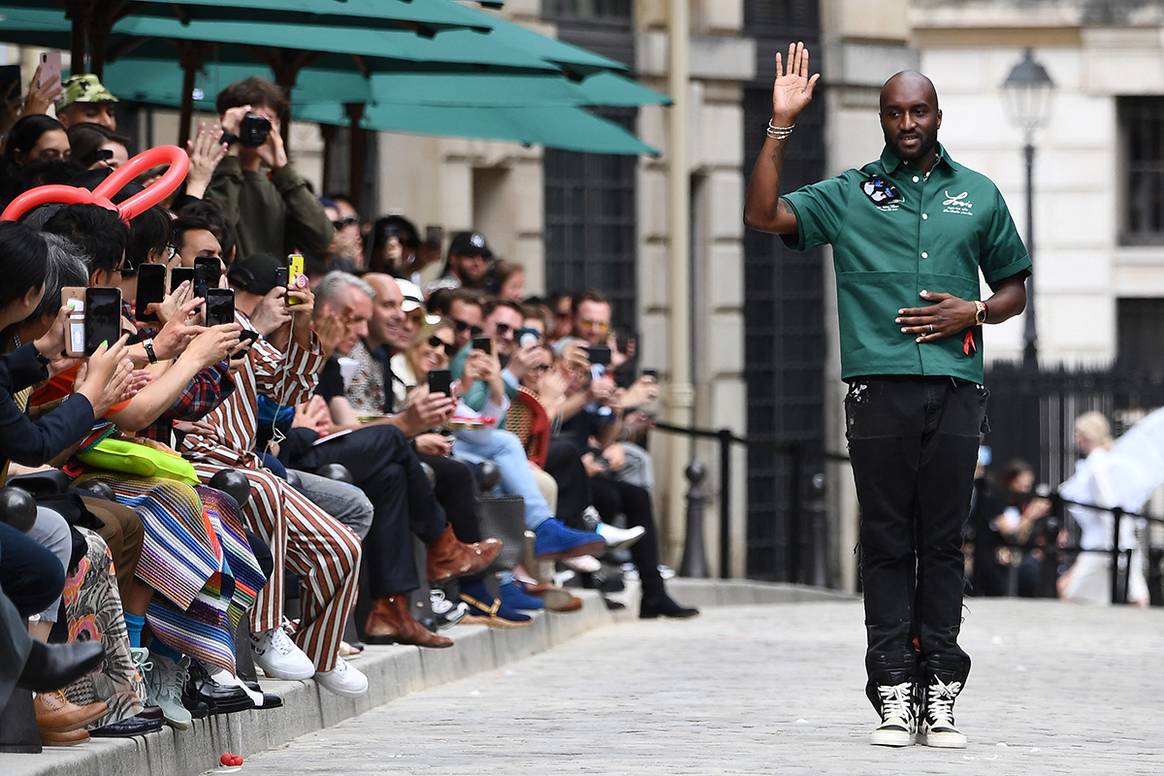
(229, 138)
(148, 344)
(980, 312)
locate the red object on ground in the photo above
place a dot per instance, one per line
(229, 759)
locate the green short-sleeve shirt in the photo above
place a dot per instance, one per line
(896, 231)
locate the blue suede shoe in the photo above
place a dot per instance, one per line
(484, 609)
(556, 541)
(514, 596)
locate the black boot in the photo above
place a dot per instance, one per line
(659, 604)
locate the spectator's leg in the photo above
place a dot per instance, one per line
(636, 505)
(30, 574)
(51, 531)
(564, 464)
(456, 491)
(121, 528)
(342, 500)
(504, 449)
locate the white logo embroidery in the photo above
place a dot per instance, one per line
(957, 204)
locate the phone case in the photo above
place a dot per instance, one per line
(296, 280)
(73, 297)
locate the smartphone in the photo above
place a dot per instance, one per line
(102, 317)
(50, 68)
(598, 355)
(179, 275)
(207, 271)
(73, 297)
(296, 280)
(10, 84)
(483, 343)
(219, 306)
(440, 381)
(246, 339)
(151, 287)
(526, 337)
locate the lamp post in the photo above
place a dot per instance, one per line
(1027, 93)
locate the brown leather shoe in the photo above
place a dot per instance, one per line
(391, 622)
(557, 599)
(449, 558)
(65, 738)
(57, 714)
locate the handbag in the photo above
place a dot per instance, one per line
(120, 455)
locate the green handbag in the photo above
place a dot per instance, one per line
(118, 455)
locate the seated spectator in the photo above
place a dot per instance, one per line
(265, 200)
(462, 306)
(346, 252)
(508, 281)
(537, 316)
(561, 304)
(394, 247)
(96, 146)
(591, 316)
(84, 100)
(467, 265)
(34, 138)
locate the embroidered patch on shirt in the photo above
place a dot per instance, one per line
(880, 191)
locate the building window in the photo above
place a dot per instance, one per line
(612, 11)
(1141, 123)
(1139, 332)
(590, 234)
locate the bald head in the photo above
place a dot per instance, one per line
(910, 117)
(913, 82)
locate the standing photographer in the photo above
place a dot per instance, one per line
(271, 209)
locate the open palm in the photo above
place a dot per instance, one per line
(792, 89)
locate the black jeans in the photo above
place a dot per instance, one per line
(32, 577)
(913, 442)
(385, 467)
(611, 498)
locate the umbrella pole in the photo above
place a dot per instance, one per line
(191, 56)
(357, 152)
(78, 14)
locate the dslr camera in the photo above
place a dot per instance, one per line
(253, 130)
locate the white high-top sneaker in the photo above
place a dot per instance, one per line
(937, 722)
(620, 538)
(343, 680)
(898, 716)
(278, 656)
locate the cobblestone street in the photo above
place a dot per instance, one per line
(772, 689)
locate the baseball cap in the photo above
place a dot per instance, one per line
(414, 300)
(83, 87)
(257, 273)
(469, 244)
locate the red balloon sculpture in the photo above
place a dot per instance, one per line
(176, 158)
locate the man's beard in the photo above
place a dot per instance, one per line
(926, 144)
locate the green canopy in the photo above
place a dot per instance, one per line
(146, 80)
(431, 14)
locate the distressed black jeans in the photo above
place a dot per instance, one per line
(913, 442)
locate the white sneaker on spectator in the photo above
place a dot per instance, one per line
(278, 656)
(620, 538)
(226, 678)
(448, 612)
(583, 564)
(343, 680)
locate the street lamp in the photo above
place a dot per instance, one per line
(1027, 93)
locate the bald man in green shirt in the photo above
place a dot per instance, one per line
(912, 231)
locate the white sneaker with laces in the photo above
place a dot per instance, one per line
(898, 720)
(279, 658)
(937, 724)
(620, 538)
(445, 609)
(343, 680)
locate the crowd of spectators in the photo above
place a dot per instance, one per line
(212, 497)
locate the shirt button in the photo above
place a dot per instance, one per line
(925, 216)
(925, 255)
(916, 179)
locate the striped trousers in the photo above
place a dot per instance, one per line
(323, 552)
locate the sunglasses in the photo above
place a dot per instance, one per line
(465, 326)
(503, 329)
(344, 222)
(438, 343)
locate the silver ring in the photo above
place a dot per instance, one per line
(931, 328)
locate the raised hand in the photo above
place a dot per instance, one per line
(792, 89)
(205, 153)
(104, 376)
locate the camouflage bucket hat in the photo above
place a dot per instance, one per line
(85, 87)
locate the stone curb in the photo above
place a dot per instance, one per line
(393, 671)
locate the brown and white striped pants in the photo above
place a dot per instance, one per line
(321, 550)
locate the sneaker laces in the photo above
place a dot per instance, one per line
(940, 702)
(172, 681)
(440, 603)
(896, 701)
